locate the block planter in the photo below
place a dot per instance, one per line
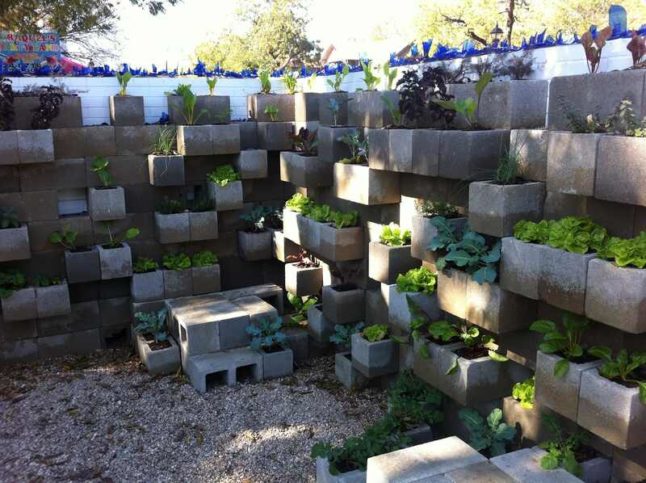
(520, 267)
(277, 364)
(203, 225)
(572, 163)
(385, 262)
(31, 147)
(227, 197)
(399, 313)
(422, 232)
(330, 148)
(620, 173)
(178, 283)
(172, 228)
(323, 474)
(373, 359)
(494, 209)
(616, 296)
(560, 394)
(275, 136)
(166, 170)
(115, 262)
(127, 111)
(469, 155)
(256, 104)
(82, 265)
(405, 150)
(208, 140)
(20, 305)
(611, 410)
(295, 227)
(319, 328)
(344, 303)
(325, 115)
(360, 184)
(252, 164)
(368, 109)
(346, 373)
(303, 281)
(106, 203)
(306, 106)
(205, 279)
(14, 244)
(147, 287)
(53, 300)
(340, 244)
(253, 247)
(305, 171)
(160, 361)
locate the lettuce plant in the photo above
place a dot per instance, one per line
(623, 368)
(223, 175)
(178, 261)
(10, 281)
(573, 234)
(417, 280)
(205, 258)
(626, 252)
(320, 212)
(145, 265)
(299, 203)
(490, 436)
(523, 392)
(345, 219)
(393, 236)
(376, 332)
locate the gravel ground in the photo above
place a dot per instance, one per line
(103, 418)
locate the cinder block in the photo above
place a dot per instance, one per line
(20, 305)
(203, 225)
(323, 474)
(423, 232)
(207, 369)
(325, 116)
(319, 327)
(330, 148)
(343, 304)
(82, 265)
(212, 109)
(19, 350)
(469, 155)
(255, 246)
(132, 140)
(360, 184)
(147, 287)
(159, 361)
(166, 170)
(35, 146)
(60, 175)
(14, 244)
(305, 171)
(127, 110)
(346, 373)
(83, 342)
(341, 244)
(531, 147)
(368, 109)
(116, 311)
(524, 465)
(298, 342)
(378, 149)
(115, 262)
(529, 421)
(248, 134)
(106, 204)
(386, 262)
(256, 104)
(275, 136)
(629, 466)
(620, 173)
(252, 164)
(227, 197)
(256, 307)
(282, 248)
(83, 316)
(571, 163)
(177, 283)
(225, 139)
(172, 228)
(399, 312)
(306, 106)
(303, 281)
(520, 267)
(195, 140)
(206, 279)
(9, 148)
(277, 364)
(53, 300)
(373, 359)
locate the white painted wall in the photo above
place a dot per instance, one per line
(548, 62)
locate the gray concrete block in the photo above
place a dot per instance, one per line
(528, 421)
(469, 155)
(386, 262)
(35, 146)
(225, 139)
(147, 287)
(494, 209)
(531, 147)
(83, 316)
(115, 262)
(295, 227)
(127, 110)
(282, 248)
(629, 466)
(330, 148)
(83, 342)
(206, 279)
(275, 136)
(572, 163)
(399, 313)
(323, 474)
(425, 152)
(203, 225)
(340, 245)
(423, 462)
(520, 267)
(343, 304)
(106, 204)
(115, 311)
(166, 170)
(195, 140)
(160, 361)
(19, 350)
(256, 104)
(298, 342)
(20, 305)
(368, 109)
(452, 292)
(177, 283)
(87, 141)
(319, 327)
(82, 265)
(620, 173)
(53, 300)
(378, 149)
(248, 134)
(227, 197)
(14, 244)
(206, 370)
(524, 465)
(484, 472)
(216, 109)
(256, 307)
(252, 164)
(133, 140)
(254, 247)
(374, 359)
(270, 292)
(326, 118)
(616, 296)
(9, 148)
(306, 106)
(62, 174)
(305, 171)
(346, 373)
(277, 364)
(172, 228)
(303, 281)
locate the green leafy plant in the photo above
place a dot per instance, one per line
(165, 142)
(469, 108)
(211, 82)
(629, 252)
(145, 265)
(205, 258)
(390, 75)
(561, 449)
(358, 148)
(255, 219)
(343, 333)
(523, 392)
(393, 236)
(394, 111)
(574, 234)
(153, 323)
(265, 81)
(334, 108)
(115, 240)
(171, 207)
(223, 175)
(201, 204)
(465, 250)
(623, 368)
(289, 80)
(444, 331)
(189, 102)
(298, 203)
(300, 306)
(417, 280)
(430, 209)
(65, 238)
(272, 112)
(311, 82)
(412, 402)
(320, 212)
(344, 219)
(490, 436)
(45, 281)
(369, 78)
(305, 141)
(623, 121)
(376, 332)
(10, 281)
(470, 336)
(338, 78)
(266, 336)
(8, 218)
(508, 169)
(565, 341)
(101, 166)
(123, 79)
(177, 261)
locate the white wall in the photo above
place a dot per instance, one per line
(548, 62)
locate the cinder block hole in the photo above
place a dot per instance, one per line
(117, 339)
(182, 333)
(245, 373)
(216, 379)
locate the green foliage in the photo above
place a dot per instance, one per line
(123, 80)
(255, 219)
(205, 258)
(338, 79)
(393, 236)
(394, 111)
(223, 175)
(624, 367)
(369, 78)
(376, 332)
(358, 148)
(45, 281)
(101, 166)
(301, 305)
(417, 280)
(145, 265)
(116, 239)
(189, 102)
(305, 141)
(390, 75)
(267, 335)
(523, 392)
(153, 323)
(65, 238)
(626, 252)
(623, 121)
(574, 234)
(430, 209)
(201, 204)
(469, 108)
(466, 250)
(211, 82)
(345, 219)
(508, 169)
(491, 436)
(561, 449)
(532, 232)
(412, 402)
(165, 142)
(265, 82)
(320, 213)
(10, 281)
(8, 218)
(299, 203)
(443, 331)
(289, 80)
(334, 107)
(272, 111)
(565, 341)
(177, 261)
(171, 207)
(343, 333)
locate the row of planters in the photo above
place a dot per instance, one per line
(573, 264)
(179, 276)
(177, 221)
(23, 299)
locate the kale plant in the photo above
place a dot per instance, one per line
(343, 333)
(491, 436)
(153, 323)
(266, 335)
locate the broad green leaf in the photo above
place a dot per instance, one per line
(549, 462)
(494, 356)
(453, 368)
(561, 368)
(543, 326)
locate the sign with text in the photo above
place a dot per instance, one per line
(35, 49)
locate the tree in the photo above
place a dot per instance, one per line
(275, 36)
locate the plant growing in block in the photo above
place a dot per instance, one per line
(205, 273)
(115, 257)
(255, 240)
(106, 202)
(126, 110)
(178, 278)
(373, 351)
(423, 230)
(270, 341)
(303, 275)
(225, 188)
(18, 301)
(147, 282)
(390, 256)
(52, 297)
(165, 165)
(156, 348)
(81, 263)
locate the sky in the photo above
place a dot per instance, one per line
(145, 39)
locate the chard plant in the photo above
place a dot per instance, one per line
(369, 78)
(144, 265)
(115, 240)
(311, 81)
(420, 280)
(189, 102)
(300, 306)
(211, 82)
(471, 337)
(176, 261)
(305, 142)
(65, 238)
(153, 323)
(339, 75)
(358, 148)
(290, 83)
(393, 236)
(223, 175)
(205, 258)
(265, 81)
(491, 436)
(266, 336)
(623, 368)
(469, 108)
(523, 392)
(272, 112)
(123, 78)
(334, 108)
(342, 336)
(101, 166)
(376, 332)
(389, 75)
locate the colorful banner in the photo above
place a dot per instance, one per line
(30, 49)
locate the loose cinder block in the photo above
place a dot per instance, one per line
(166, 170)
(524, 465)
(160, 361)
(319, 327)
(106, 204)
(256, 308)
(206, 369)
(385, 262)
(252, 164)
(277, 364)
(346, 373)
(365, 186)
(571, 163)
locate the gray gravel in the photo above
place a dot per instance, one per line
(102, 418)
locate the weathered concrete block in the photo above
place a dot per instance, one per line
(9, 148)
(256, 307)
(36, 146)
(147, 287)
(346, 373)
(319, 327)
(225, 139)
(494, 209)
(203, 225)
(53, 300)
(19, 350)
(330, 148)
(228, 367)
(563, 279)
(248, 134)
(131, 140)
(368, 109)
(616, 296)
(305, 171)
(227, 197)
(217, 109)
(340, 245)
(621, 174)
(422, 232)
(172, 228)
(530, 420)
(177, 283)
(452, 292)
(254, 247)
(343, 304)
(282, 247)
(378, 149)
(275, 136)
(399, 313)
(252, 164)
(373, 359)
(166, 170)
(87, 141)
(524, 465)
(206, 279)
(195, 140)
(115, 262)
(561, 395)
(82, 265)
(572, 162)
(470, 155)
(20, 305)
(629, 466)
(127, 111)
(326, 116)
(405, 150)
(158, 361)
(296, 228)
(106, 204)
(323, 474)
(425, 152)
(277, 364)
(303, 281)
(385, 262)
(256, 104)
(14, 244)
(520, 267)
(306, 106)
(531, 147)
